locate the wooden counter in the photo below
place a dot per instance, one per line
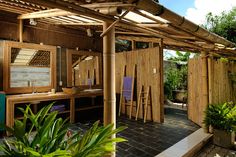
(13, 100)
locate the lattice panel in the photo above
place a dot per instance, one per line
(41, 58)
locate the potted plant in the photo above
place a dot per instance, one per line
(52, 138)
(222, 118)
(176, 77)
(175, 85)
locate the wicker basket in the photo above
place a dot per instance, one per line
(72, 90)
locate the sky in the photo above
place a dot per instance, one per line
(196, 10)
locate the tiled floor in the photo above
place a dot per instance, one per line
(211, 150)
(149, 139)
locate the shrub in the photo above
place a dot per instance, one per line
(50, 139)
(221, 116)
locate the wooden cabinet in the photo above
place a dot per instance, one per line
(73, 103)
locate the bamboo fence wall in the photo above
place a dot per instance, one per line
(220, 86)
(87, 69)
(149, 72)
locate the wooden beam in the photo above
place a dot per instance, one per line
(133, 33)
(79, 60)
(79, 24)
(22, 4)
(114, 23)
(87, 12)
(183, 37)
(20, 30)
(178, 20)
(140, 39)
(108, 4)
(172, 27)
(109, 77)
(73, 8)
(156, 40)
(13, 9)
(154, 25)
(45, 13)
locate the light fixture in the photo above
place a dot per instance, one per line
(89, 32)
(32, 22)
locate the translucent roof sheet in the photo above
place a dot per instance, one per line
(24, 56)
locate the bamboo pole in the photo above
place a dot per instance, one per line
(20, 30)
(210, 80)
(177, 20)
(204, 86)
(91, 13)
(133, 44)
(114, 23)
(109, 77)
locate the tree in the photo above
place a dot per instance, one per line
(181, 56)
(223, 24)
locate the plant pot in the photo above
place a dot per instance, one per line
(180, 95)
(223, 138)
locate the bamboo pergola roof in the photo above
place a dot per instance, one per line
(139, 20)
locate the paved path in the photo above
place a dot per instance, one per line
(211, 150)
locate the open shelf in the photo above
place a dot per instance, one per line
(62, 112)
(89, 107)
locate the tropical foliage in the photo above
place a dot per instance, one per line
(180, 56)
(223, 25)
(51, 137)
(221, 116)
(176, 77)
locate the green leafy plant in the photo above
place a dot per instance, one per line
(176, 79)
(180, 56)
(176, 76)
(51, 137)
(223, 24)
(221, 116)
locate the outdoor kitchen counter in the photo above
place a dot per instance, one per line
(12, 100)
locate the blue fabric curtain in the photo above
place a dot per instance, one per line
(2, 110)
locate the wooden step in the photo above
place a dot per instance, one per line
(188, 146)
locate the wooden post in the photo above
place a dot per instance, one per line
(161, 62)
(210, 80)
(150, 45)
(109, 77)
(204, 87)
(20, 30)
(133, 45)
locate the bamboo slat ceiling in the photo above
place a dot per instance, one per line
(139, 20)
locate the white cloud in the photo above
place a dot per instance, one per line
(202, 7)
